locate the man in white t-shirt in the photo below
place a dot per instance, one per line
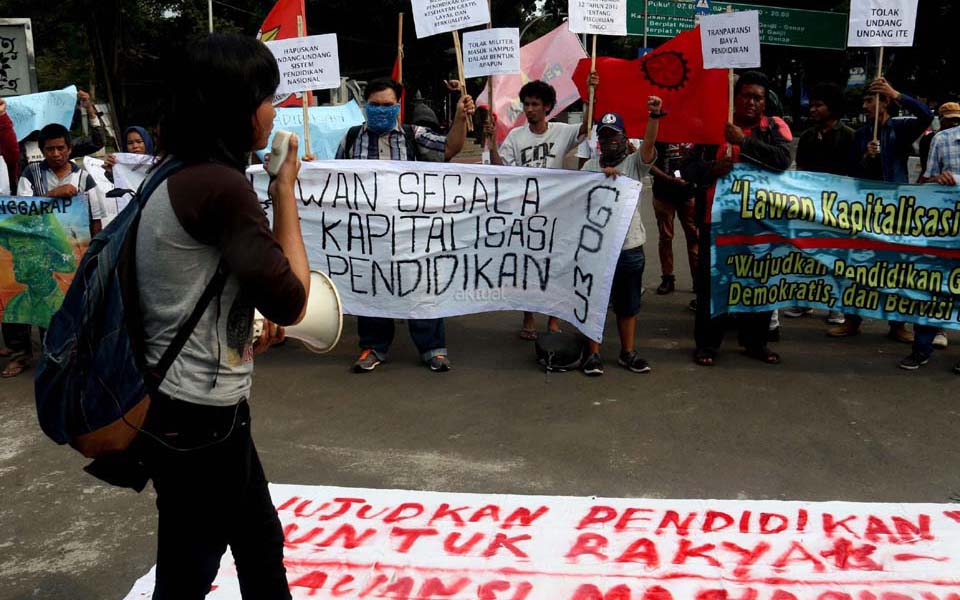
(540, 144)
(616, 159)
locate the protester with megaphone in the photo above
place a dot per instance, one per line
(203, 229)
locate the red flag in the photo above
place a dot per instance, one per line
(694, 97)
(403, 97)
(281, 24)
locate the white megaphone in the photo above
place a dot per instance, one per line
(322, 322)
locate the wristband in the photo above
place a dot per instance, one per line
(658, 115)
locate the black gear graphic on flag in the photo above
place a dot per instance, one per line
(667, 70)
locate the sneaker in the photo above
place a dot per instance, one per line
(633, 362)
(593, 366)
(693, 305)
(914, 361)
(836, 318)
(367, 362)
(668, 283)
(797, 312)
(900, 333)
(848, 329)
(439, 364)
(940, 341)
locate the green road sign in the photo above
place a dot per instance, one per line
(778, 26)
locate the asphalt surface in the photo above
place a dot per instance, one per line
(837, 420)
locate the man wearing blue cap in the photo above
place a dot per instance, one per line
(615, 159)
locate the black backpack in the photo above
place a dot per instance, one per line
(558, 352)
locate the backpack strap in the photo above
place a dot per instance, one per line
(214, 288)
(351, 140)
(411, 139)
(155, 375)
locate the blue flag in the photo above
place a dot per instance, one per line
(860, 247)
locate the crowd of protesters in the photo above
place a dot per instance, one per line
(681, 176)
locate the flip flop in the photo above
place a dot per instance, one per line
(705, 358)
(529, 335)
(764, 355)
(15, 367)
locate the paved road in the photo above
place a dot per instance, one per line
(836, 421)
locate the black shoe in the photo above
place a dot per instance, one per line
(693, 305)
(593, 366)
(913, 361)
(668, 283)
(633, 362)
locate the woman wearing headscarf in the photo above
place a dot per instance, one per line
(136, 140)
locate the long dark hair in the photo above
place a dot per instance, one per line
(215, 88)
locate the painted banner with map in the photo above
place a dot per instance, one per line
(41, 243)
(860, 247)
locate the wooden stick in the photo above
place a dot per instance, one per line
(876, 114)
(492, 109)
(463, 82)
(400, 48)
(593, 89)
(304, 98)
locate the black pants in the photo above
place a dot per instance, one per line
(209, 498)
(16, 337)
(708, 333)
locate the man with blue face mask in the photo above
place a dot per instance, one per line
(383, 137)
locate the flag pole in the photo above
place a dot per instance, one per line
(876, 113)
(210, 14)
(730, 78)
(463, 82)
(646, 19)
(304, 96)
(593, 89)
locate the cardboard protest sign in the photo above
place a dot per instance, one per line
(599, 17)
(328, 125)
(307, 63)
(41, 243)
(428, 240)
(874, 249)
(878, 23)
(491, 52)
(31, 112)
(431, 17)
(731, 40)
(396, 544)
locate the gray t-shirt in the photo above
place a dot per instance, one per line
(192, 220)
(523, 148)
(634, 168)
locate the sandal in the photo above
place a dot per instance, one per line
(19, 363)
(704, 357)
(529, 335)
(6, 352)
(763, 354)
